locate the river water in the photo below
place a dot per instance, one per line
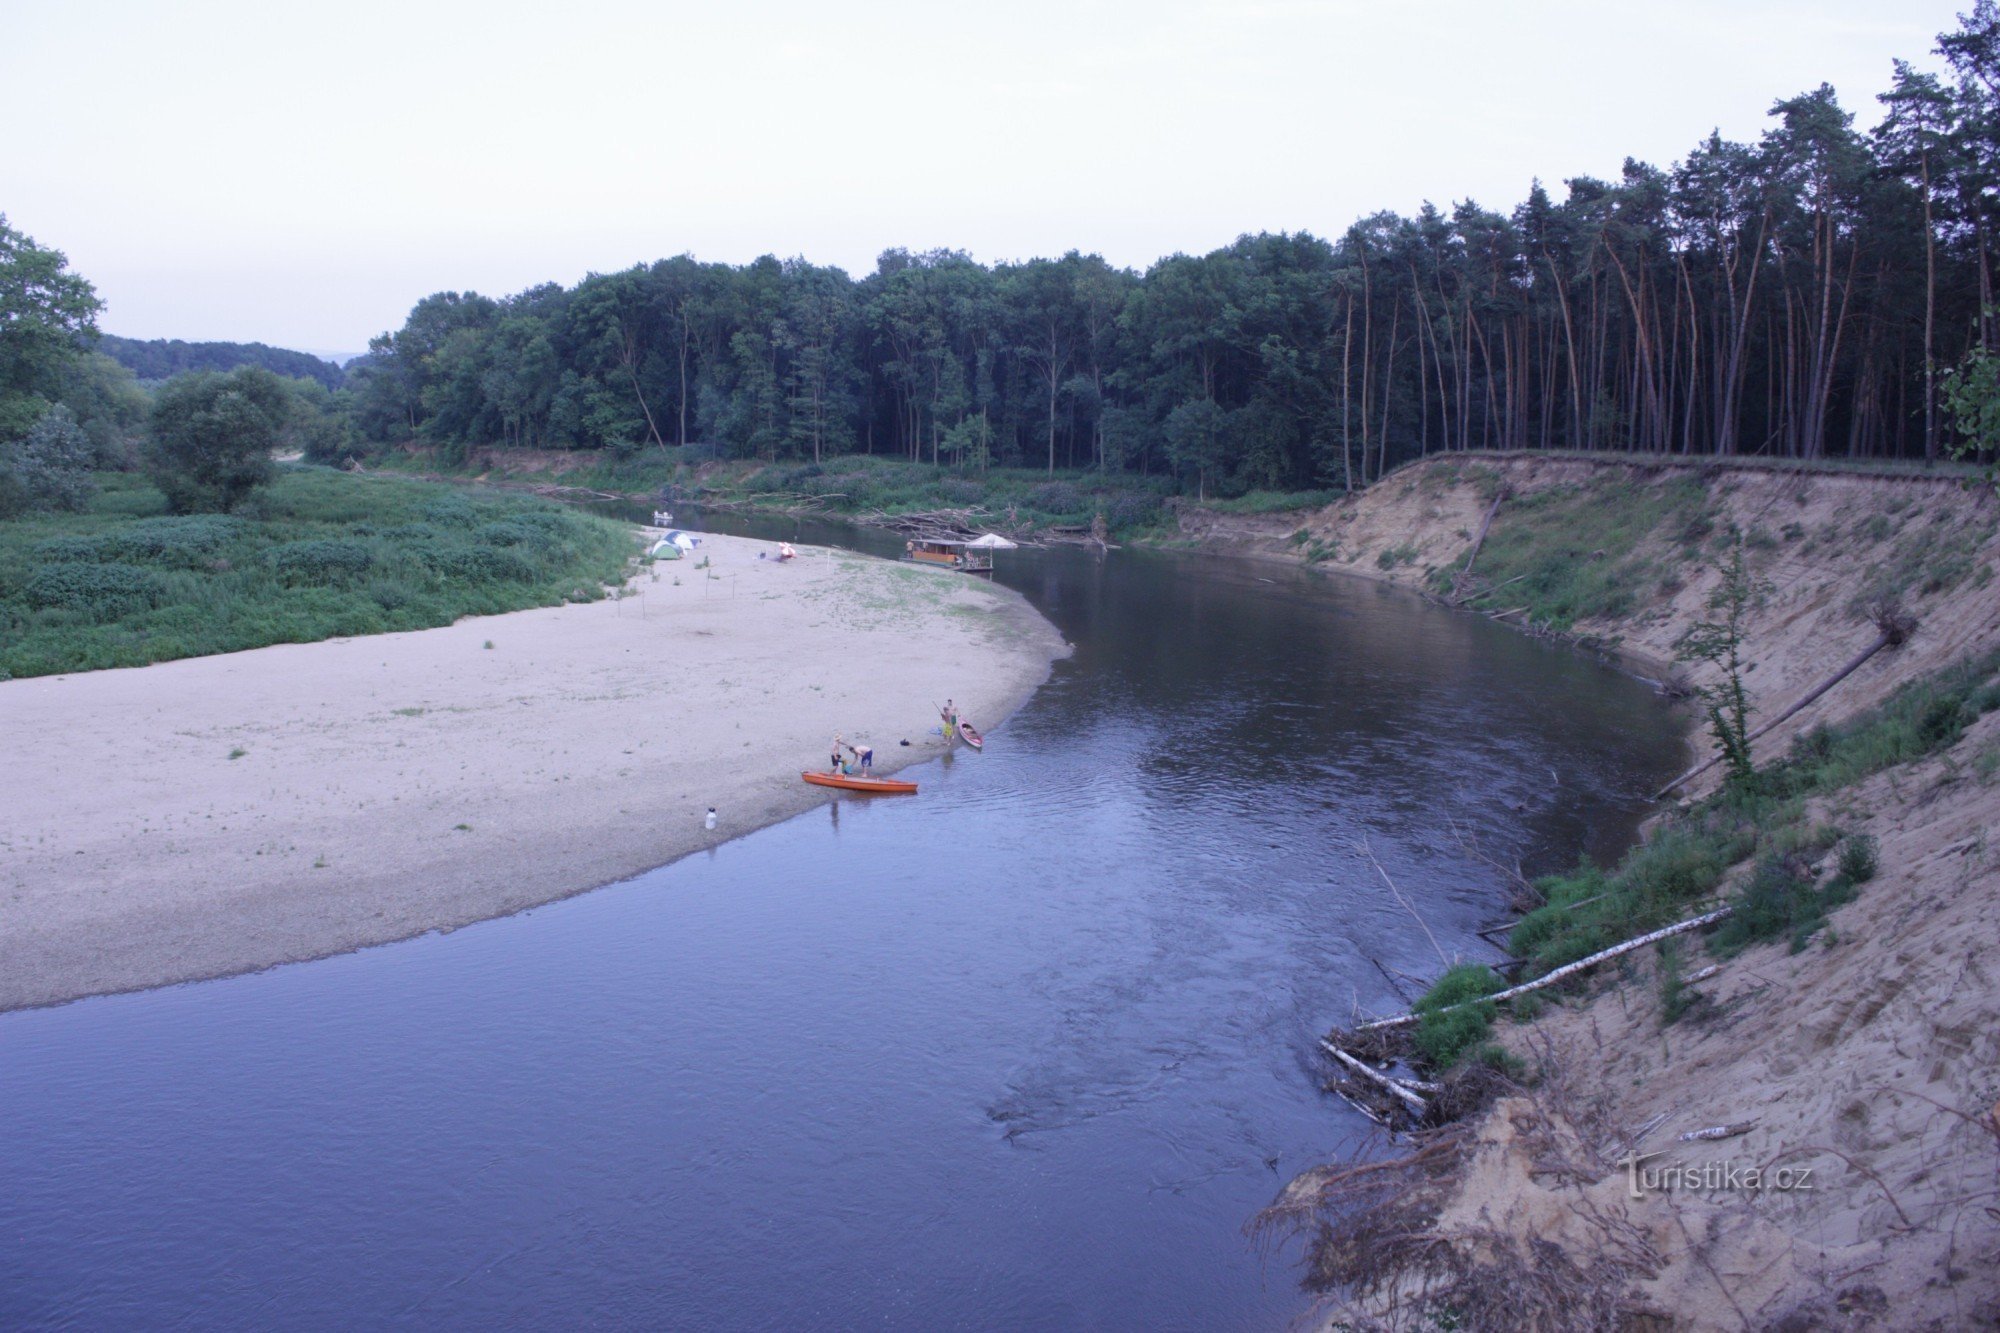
(1026, 1051)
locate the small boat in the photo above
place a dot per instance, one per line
(970, 735)
(880, 786)
(940, 554)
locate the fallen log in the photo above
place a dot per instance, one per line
(1886, 639)
(1417, 1105)
(1715, 1132)
(1477, 542)
(1568, 970)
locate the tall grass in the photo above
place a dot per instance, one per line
(320, 554)
(1567, 553)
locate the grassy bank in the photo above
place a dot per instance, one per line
(319, 554)
(1580, 551)
(1015, 500)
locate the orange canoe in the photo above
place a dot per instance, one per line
(885, 786)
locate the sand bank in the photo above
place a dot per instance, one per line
(218, 815)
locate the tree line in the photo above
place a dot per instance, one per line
(1823, 291)
(160, 359)
(1800, 296)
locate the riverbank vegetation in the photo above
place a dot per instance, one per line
(318, 554)
(1771, 848)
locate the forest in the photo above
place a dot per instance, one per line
(1824, 292)
(1801, 296)
(162, 359)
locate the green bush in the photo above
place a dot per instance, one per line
(94, 591)
(69, 550)
(1858, 859)
(49, 469)
(1442, 1037)
(1130, 510)
(320, 560)
(184, 542)
(1059, 498)
(212, 437)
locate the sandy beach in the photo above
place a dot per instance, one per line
(218, 815)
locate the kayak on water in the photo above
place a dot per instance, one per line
(970, 735)
(880, 786)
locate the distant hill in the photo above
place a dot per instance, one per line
(162, 359)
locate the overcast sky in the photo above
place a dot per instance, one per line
(301, 175)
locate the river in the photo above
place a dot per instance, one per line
(1025, 1051)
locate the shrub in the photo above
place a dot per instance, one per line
(188, 542)
(212, 437)
(320, 560)
(482, 564)
(512, 532)
(94, 591)
(961, 491)
(1132, 510)
(1059, 498)
(50, 467)
(68, 551)
(1442, 1037)
(1858, 859)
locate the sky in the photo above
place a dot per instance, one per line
(302, 175)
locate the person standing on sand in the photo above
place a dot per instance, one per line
(839, 744)
(864, 759)
(950, 719)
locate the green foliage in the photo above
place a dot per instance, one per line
(1782, 898)
(212, 437)
(92, 593)
(162, 359)
(1569, 553)
(49, 468)
(1718, 642)
(1921, 718)
(1675, 997)
(1858, 859)
(1682, 866)
(1277, 502)
(45, 310)
(318, 554)
(320, 560)
(1657, 883)
(1970, 395)
(1442, 1037)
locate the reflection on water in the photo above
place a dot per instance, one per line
(1025, 1051)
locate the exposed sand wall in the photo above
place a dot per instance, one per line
(1873, 1057)
(215, 815)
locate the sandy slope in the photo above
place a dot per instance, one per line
(1869, 1057)
(215, 815)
